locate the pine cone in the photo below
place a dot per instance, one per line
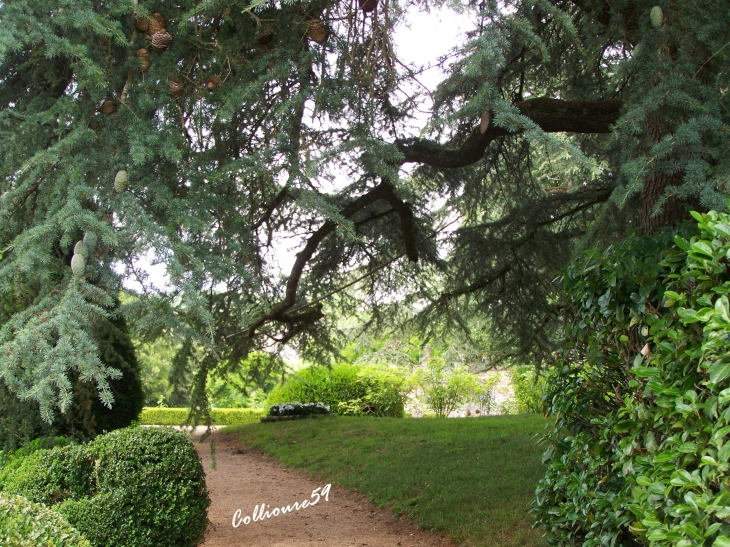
(158, 23)
(318, 31)
(120, 181)
(142, 23)
(161, 40)
(484, 122)
(177, 88)
(212, 83)
(265, 36)
(81, 249)
(108, 107)
(656, 16)
(368, 5)
(90, 242)
(78, 265)
(144, 59)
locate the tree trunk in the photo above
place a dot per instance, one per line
(673, 210)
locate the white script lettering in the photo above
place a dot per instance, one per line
(260, 511)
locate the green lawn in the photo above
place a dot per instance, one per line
(472, 479)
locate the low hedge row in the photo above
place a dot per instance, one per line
(219, 416)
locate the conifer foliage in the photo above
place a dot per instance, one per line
(209, 135)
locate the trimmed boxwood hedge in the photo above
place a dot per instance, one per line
(27, 524)
(134, 487)
(219, 416)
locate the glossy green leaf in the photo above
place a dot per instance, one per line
(703, 248)
(719, 370)
(646, 372)
(623, 426)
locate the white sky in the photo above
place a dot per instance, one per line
(426, 37)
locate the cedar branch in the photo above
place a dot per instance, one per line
(385, 191)
(552, 115)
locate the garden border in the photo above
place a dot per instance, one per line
(299, 417)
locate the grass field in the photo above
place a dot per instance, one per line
(471, 479)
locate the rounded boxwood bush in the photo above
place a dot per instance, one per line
(134, 487)
(27, 524)
(347, 389)
(51, 476)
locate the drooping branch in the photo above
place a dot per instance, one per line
(478, 285)
(280, 198)
(552, 115)
(528, 222)
(385, 191)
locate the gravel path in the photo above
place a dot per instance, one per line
(246, 478)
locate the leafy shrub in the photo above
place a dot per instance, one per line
(483, 395)
(219, 416)
(52, 476)
(444, 388)
(639, 452)
(10, 460)
(528, 389)
(298, 409)
(27, 524)
(367, 390)
(134, 487)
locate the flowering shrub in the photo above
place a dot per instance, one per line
(298, 409)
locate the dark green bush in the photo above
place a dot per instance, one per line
(640, 448)
(134, 487)
(10, 460)
(27, 524)
(219, 416)
(347, 389)
(117, 350)
(52, 476)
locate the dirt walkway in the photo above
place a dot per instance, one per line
(245, 479)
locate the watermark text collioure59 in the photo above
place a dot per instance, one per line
(263, 511)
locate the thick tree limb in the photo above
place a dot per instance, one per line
(278, 200)
(552, 115)
(384, 190)
(478, 285)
